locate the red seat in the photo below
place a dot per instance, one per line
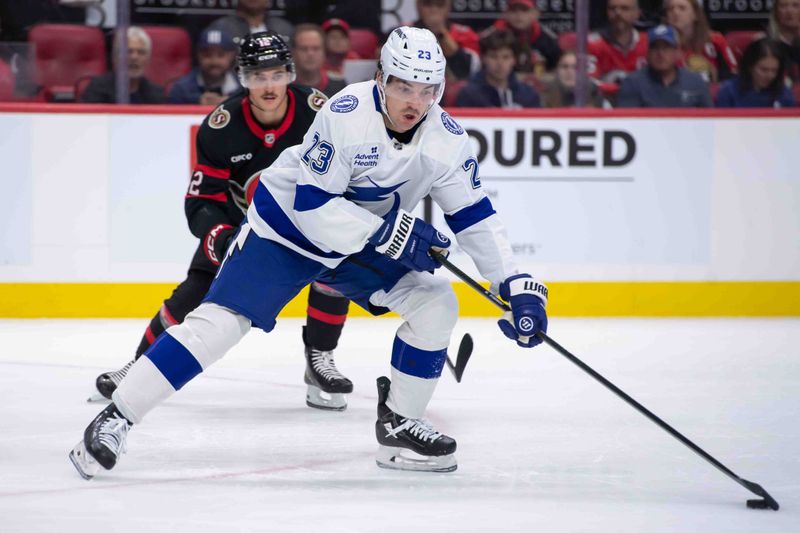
(6, 82)
(171, 56)
(739, 40)
(568, 40)
(796, 91)
(363, 42)
(451, 90)
(63, 53)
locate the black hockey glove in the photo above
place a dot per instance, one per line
(216, 242)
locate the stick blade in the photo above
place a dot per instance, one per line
(463, 355)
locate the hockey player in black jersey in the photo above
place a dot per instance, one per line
(236, 141)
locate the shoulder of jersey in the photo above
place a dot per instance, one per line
(446, 124)
(223, 113)
(355, 97)
(313, 98)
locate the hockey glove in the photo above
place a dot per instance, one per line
(216, 242)
(528, 298)
(407, 239)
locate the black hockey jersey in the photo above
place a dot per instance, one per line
(233, 149)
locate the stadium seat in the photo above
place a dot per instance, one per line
(6, 82)
(363, 42)
(451, 90)
(568, 40)
(796, 91)
(64, 53)
(171, 57)
(738, 41)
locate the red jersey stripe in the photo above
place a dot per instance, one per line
(328, 318)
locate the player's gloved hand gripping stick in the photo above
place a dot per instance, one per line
(767, 501)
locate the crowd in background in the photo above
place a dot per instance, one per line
(671, 59)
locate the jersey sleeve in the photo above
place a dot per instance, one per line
(471, 217)
(207, 194)
(320, 209)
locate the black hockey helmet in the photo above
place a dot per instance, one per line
(264, 49)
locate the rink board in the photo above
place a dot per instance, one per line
(623, 213)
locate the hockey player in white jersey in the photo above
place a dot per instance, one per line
(336, 209)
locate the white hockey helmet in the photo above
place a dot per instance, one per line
(414, 55)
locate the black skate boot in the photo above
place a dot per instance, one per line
(107, 382)
(103, 442)
(326, 385)
(432, 451)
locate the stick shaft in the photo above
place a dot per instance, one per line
(752, 487)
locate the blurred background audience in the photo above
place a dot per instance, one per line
(62, 50)
(663, 82)
(760, 81)
(495, 85)
(102, 89)
(213, 79)
(308, 49)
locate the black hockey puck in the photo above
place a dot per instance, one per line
(757, 504)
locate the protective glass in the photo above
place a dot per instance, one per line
(258, 79)
(412, 91)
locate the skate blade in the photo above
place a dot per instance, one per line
(402, 459)
(318, 399)
(84, 463)
(97, 398)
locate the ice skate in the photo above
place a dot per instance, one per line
(326, 385)
(410, 443)
(102, 444)
(107, 382)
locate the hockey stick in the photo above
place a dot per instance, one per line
(767, 501)
(462, 357)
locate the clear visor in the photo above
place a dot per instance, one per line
(259, 79)
(411, 91)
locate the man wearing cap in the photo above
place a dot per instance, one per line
(662, 83)
(539, 50)
(619, 48)
(212, 80)
(337, 44)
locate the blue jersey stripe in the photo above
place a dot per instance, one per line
(469, 216)
(271, 213)
(309, 197)
(173, 360)
(413, 361)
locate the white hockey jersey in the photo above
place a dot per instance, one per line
(325, 197)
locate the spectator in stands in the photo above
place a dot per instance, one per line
(337, 45)
(251, 16)
(308, 49)
(704, 51)
(496, 85)
(539, 49)
(560, 92)
(102, 89)
(619, 48)
(459, 43)
(784, 26)
(760, 81)
(212, 80)
(662, 83)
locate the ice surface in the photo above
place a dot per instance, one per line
(541, 446)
